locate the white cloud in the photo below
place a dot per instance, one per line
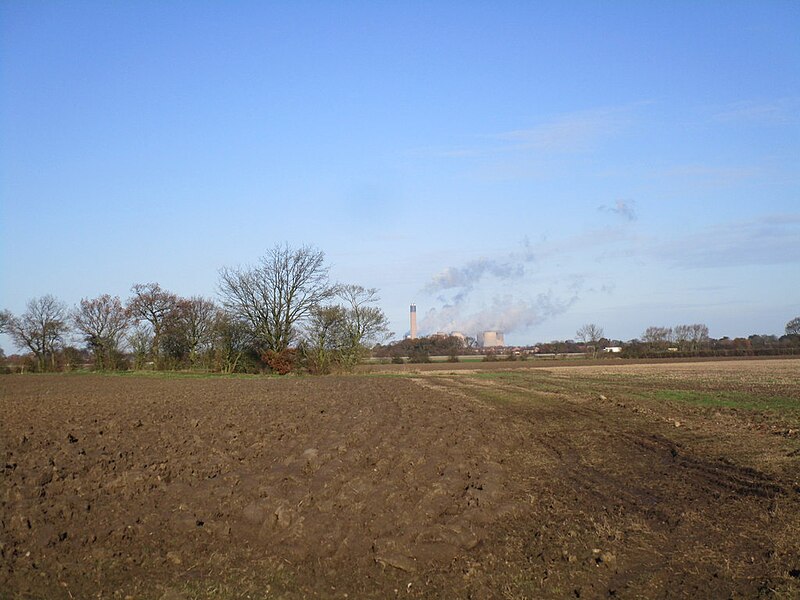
(710, 176)
(780, 111)
(572, 132)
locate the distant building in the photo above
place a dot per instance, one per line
(491, 339)
(613, 349)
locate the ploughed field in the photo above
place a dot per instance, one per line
(630, 481)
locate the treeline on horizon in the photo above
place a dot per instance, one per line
(282, 315)
(285, 315)
(656, 342)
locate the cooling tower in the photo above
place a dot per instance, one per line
(491, 339)
(413, 335)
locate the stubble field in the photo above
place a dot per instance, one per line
(627, 481)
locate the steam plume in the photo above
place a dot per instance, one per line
(504, 314)
(468, 276)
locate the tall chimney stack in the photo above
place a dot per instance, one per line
(413, 335)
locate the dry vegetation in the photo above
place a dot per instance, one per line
(632, 481)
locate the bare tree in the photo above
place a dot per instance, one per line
(590, 334)
(470, 343)
(698, 335)
(140, 340)
(41, 329)
(102, 322)
(151, 304)
(324, 336)
(793, 327)
(690, 337)
(188, 328)
(231, 340)
(365, 323)
(682, 335)
(342, 334)
(657, 335)
(275, 296)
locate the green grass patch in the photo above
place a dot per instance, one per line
(498, 375)
(540, 381)
(728, 399)
(498, 396)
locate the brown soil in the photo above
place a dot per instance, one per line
(441, 485)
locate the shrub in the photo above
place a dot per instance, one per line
(419, 355)
(282, 362)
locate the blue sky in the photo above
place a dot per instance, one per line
(524, 166)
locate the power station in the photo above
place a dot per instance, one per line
(486, 339)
